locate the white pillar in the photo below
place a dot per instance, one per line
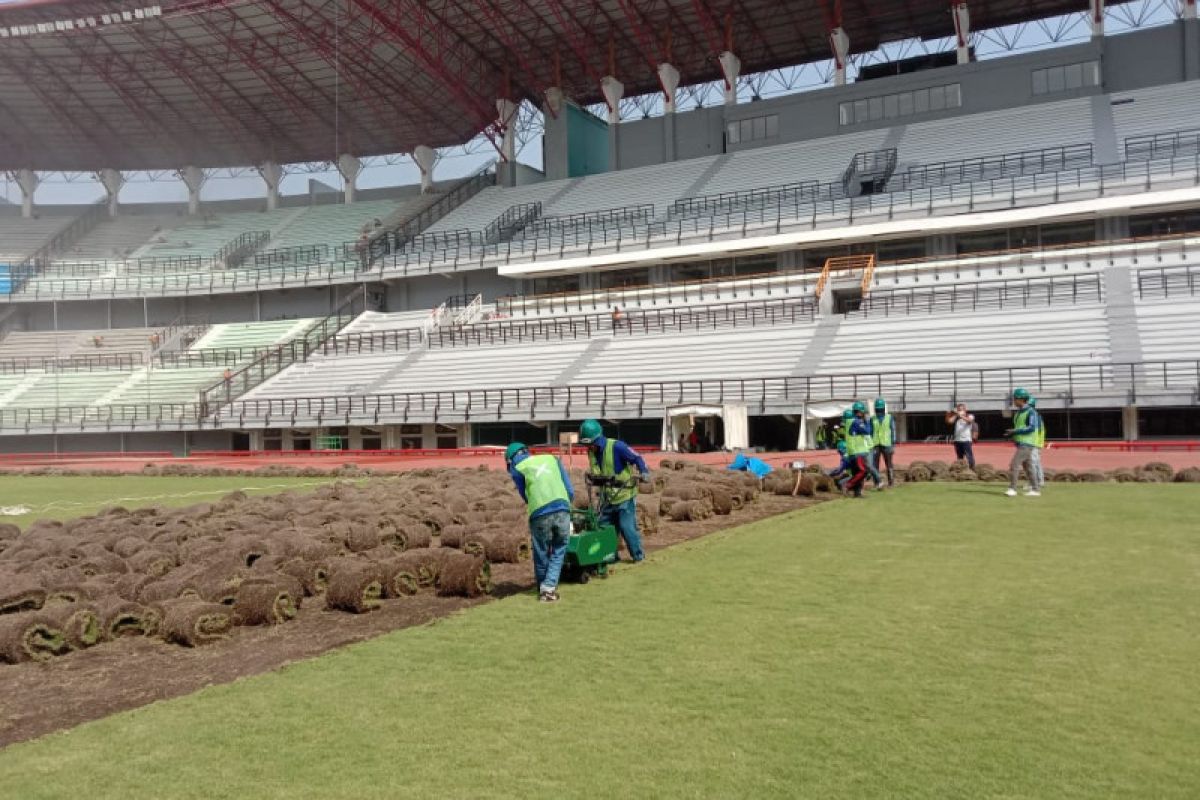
(112, 180)
(839, 43)
(668, 76)
(271, 173)
(1187, 9)
(731, 67)
(28, 180)
(193, 178)
(962, 31)
(349, 166)
(613, 91)
(554, 100)
(506, 111)
(425, 158)
(1096, 15)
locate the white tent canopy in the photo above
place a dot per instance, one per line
(678, 420)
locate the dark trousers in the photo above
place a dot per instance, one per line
(965, 450)
(884, 455)
(855, 484)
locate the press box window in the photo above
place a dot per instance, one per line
(1066, 78)
(753, 129)
(900, 105)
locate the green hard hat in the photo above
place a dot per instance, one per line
(880, 404)
(511, 451)
(859, 407)
(589, 431)
(847, 414)
(1020, 394)
(842, 448)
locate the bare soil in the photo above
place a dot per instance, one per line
(40, 698)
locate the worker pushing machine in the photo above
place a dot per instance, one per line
(615, 459)
(1028, 435)
(883, 436)
(545, 487)
(859, 444)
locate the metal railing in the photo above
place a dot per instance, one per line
(984, 295)
(1065, 381)
(237, 250)
(69, 234)
(79, 362)
(1008, 192)
(297, 254)
(1162, 145)
(1046, 159)
(512, 221)
(1168, 281)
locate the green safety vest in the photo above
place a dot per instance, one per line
(614, 497)
(1041, 432)
(543, 482)
(882, 430)
(1021, 420)
(858, 444)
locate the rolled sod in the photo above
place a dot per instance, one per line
(507, 547)
(125, 618)
(354, 586)
(192, 623)
(425, 563)
(127, 546)
(464, 575)
(79, 623)
(313, 576)
(474, 543)
(151, 561)
(400, 578)
(416, 536)
(30, 637)
(452, 536)
(263, 602)
(20, 593)
(8, 531)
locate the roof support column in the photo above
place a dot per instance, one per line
(112, 180)
(425, 158)
(1187, 9)
(271, 173)
(613, 91)
(731, 67)
(28, 180)
(193, 178)
(668, 76)
(349, 166)
(839, 43)
(1096, 16)
(962, 31)
(506, 111)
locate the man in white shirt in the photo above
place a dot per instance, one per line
(965, 432)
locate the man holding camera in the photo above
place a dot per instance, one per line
(964, 432)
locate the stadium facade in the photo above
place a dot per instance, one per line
(940, 230)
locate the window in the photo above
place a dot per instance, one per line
(753, 129)
(900, 105)
(1066, 78)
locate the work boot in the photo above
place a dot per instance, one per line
(548, 597)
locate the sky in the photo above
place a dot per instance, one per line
(457, 162)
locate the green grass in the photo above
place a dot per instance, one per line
(941, 641)
(65, 497)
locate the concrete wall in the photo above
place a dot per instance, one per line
(1129, 61)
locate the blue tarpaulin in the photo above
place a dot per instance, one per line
(742, 463)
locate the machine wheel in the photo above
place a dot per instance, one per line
(584, 577)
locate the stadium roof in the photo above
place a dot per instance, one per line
(131, 84)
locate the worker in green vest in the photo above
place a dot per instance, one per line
(1027, 439)
(1041, 444)
(546, 489)
(613, 458)
(883, 435)
(859, 444)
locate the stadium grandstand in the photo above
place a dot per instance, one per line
(931, 228)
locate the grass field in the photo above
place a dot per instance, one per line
(939, 641)
(58, 497)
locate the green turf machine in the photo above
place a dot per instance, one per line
(593, 545)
